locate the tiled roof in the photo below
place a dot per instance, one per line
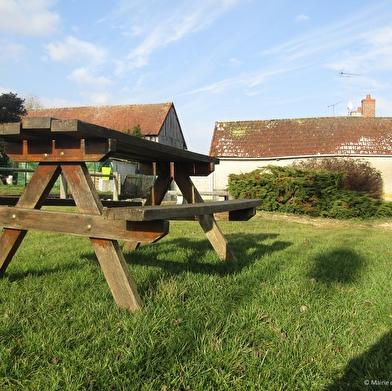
(303, 137)
(150, 117)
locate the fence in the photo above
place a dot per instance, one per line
(63, 184)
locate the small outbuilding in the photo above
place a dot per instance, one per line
(243, 146)
(157, 122)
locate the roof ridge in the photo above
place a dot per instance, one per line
(102, 106)
(297, 119)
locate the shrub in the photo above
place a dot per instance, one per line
(311, 192)
(360, 175)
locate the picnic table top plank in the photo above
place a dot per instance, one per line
(126, 145)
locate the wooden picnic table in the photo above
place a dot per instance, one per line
(64, 146)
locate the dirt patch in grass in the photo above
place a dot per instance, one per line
(321, 222)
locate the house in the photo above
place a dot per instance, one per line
(243, 146)
(157, 122)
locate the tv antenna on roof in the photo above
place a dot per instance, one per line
(333, 107)
(348, 75)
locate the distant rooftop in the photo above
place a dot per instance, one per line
(150, 117)
(303, 137)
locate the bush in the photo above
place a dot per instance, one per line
(311, 192)
(360, 175)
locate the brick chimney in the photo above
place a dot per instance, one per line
(368, 107)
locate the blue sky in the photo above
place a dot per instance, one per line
(217, 60)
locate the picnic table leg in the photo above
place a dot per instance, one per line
(207, 222)
(165, 175)
(33, 197)
(108, 252)
(161, 186)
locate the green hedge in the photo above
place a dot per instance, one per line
(311, 192)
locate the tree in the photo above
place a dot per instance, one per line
(137, 131)
(11, 110)
(33, 102)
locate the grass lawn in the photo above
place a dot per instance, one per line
(308, 307)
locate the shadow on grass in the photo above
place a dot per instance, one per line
(196, 258)
(372, 369)
(341, 265)
(248, 248)
(181, 255)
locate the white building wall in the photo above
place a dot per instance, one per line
(123, 168)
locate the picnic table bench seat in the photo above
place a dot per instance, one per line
(238, 210)
(64, 147)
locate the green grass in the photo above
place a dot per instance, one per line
(307, 307)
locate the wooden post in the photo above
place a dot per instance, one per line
(63, 187)
(115, 186)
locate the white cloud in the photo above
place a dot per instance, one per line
(375, 53)
(11, 52)
(31, 17)
(98, 98)
(248, 80)
(235, 62)
(174, 27)
(83, 76)
(75, 50)
(301, 18)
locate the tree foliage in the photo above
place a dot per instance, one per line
(137, 131)
(33, 102)
(360, 175)
(306, 191)
(11, 108)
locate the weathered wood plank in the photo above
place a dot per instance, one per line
(43, 123)
(117, 274)
(82, 188)
(108, 252)
(45, 149)
(206, 221)
(35, 193)
(236, 215)
(13, 128)
(146, 150)
(175, 212)
(82, 225)
(193, 169)
(12, 201)
(127, 146)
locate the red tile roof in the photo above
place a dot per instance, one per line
(303, 137)
(150, 117)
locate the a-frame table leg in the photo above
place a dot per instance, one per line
(207, 222)
(33, 197)
(108, 252)
(167, 172)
